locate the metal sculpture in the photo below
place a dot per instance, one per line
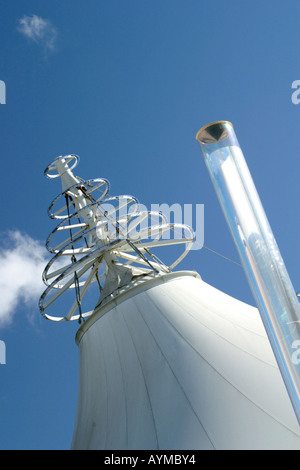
(101, 239)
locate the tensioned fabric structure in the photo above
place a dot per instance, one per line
(166, 361)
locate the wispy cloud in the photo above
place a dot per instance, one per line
(38, 30)
(22, 261)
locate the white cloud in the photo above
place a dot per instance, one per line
(38, 30)
(22, 263)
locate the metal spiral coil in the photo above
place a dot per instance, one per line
(102, 240)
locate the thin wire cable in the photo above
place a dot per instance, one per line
(76, 283)
(222, 256)
(141, 255)
(219, 254)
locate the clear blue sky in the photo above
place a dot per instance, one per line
(126, 84)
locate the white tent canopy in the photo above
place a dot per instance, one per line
(176, 364)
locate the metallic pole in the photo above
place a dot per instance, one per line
(258, 250)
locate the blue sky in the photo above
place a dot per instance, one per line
(126, 85)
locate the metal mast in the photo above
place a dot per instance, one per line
(103, 239)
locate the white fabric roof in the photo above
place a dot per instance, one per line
(177, 364)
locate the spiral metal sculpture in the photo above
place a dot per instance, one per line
(102, 240)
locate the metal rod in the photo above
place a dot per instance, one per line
(261, 259)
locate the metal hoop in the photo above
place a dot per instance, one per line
(81, 185)
(51, 166)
